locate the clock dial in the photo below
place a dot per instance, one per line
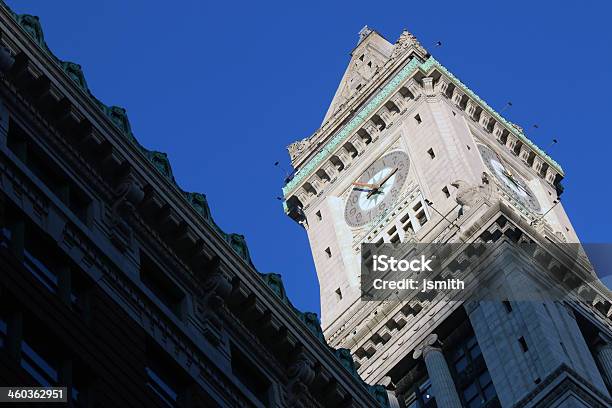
(377, 188)
(510, 181)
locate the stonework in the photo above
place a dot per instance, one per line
(119, 284)
(474, 177)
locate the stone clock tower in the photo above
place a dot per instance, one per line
(407, 153)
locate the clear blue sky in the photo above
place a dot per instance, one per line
(224, 87)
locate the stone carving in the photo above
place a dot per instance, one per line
(405, 41)
(429, 342)
(119, 117)
(127, 195)
(469, 194)
(239, 245)
(311, 320)
(275, 282)
(297, 148)
(161, 163)
(215, 288)
(75, 72)
(31, 25)
(199, 202)
(301, 374)
(346, 359)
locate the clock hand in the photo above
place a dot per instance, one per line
(382, 183)
(371, 186)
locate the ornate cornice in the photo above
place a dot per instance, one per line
(414, 65)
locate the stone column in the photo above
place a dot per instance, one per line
(439, 374)
(604, 358)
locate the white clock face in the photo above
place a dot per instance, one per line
(510, 181)
(377, 188)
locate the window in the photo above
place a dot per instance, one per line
(431, 153)
(43, 258)
(523, 344)
(471, 374)
(48, 172)
(249, 375)
(163, 377)
(446, 192)
(338, 294)
(161, 285)
(418, 119)
(39, 258)
(328, 252)
(421, 395)
(318, 214)
(507, 306)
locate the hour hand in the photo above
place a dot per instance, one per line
(370, 186)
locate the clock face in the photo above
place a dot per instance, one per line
(511, 182)
(377, 188)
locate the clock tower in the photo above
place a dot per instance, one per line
(408, 153)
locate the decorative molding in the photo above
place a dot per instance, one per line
(375, 103)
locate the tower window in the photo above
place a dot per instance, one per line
(431, 153)
(318, 214)
(339, 294)
(507, 306)
(418, 119)
(328, 252)
(523, 344)
(446, 192)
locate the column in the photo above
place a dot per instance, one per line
(604, 358)
(439, 374)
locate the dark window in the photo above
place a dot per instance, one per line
(249, 375)
(161, 285)
(431, 153)
(507, 306)
(328, 252)
(418, 119)
(523, 344)
(48, 172)
(420, 395)
(471, 374)
(446, 192)
(318, 214)
(40, 257)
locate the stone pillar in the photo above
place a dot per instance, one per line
(457, 96)
(471, 109)
(485, 120)
(604, 358)
(372, 130)
(442, 382)
(498, 131)
(399, 101)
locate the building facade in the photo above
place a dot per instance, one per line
(446, 168)
(117, 283)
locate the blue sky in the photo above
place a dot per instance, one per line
(224, 87)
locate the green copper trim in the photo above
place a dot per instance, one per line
(500, 118)
(376, 102)
(354, 123)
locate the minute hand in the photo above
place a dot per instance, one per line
(382, 183)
